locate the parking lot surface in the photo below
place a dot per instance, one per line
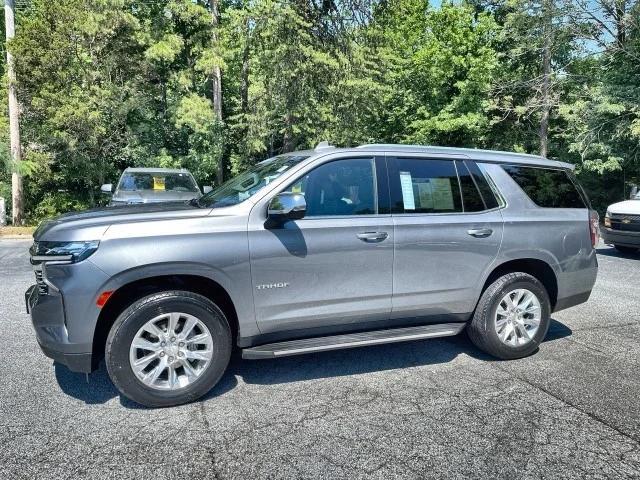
(428, 409)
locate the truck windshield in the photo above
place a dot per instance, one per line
(245, 185)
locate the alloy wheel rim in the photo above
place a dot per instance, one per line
(518, 317)
(171, 351)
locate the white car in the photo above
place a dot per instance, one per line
(622, 224)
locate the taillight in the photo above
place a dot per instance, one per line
(594, 220)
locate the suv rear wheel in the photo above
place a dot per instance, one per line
(512, 317)
(168, 348)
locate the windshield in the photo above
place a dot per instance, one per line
(246, 184)
(157, 181)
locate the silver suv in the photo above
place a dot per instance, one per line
(312, 251)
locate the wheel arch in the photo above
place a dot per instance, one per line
(535, 267)
(133, 290)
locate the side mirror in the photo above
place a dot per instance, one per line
(107, 188)
(287, 206)
(206, 189)
(634, 192)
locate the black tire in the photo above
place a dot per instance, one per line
(481, 329)
(623, 249)
(133, 318)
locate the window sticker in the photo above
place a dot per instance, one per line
(158, 183)
(425, 194)
(407, 191)
(442, 194)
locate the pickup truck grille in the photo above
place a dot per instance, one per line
(627, 223)
(43, 289)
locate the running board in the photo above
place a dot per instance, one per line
(337, 342)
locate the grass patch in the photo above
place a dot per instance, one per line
(16, 231)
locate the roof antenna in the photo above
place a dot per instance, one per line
(323, 145)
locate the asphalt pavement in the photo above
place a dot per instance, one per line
(427, 409)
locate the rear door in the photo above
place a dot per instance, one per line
(448, 230)
(334, 266)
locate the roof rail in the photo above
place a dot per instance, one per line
(324, 145)
(394, 145)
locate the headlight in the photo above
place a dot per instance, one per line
(71, 252)
(607, 219)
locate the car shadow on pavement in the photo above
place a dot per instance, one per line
(97, 387)
(362, 360)
(612, 252)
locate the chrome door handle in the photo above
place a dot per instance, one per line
(372, 236)
(480, 232)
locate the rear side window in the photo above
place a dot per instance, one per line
(470, 194)
(425, 186)
(548, 188)
(477, 195)
(486, 191)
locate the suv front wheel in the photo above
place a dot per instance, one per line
(512, 317)
(168, 348)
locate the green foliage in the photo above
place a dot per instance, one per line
(106, 84)
(53, 203)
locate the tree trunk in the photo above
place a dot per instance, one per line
(244, 74)
(547, 15)
(216, 83)
(288, 140)
(14, 119)
(620, 12)
(243, 139)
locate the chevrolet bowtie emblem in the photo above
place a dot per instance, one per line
(626, 220)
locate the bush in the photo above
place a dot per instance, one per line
(54, 204)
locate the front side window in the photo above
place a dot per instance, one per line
(341, 187)
(425, 186)
(547, 187)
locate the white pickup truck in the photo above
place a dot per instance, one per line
(622, 224)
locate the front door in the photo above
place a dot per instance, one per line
(334, 266)
(448, 230)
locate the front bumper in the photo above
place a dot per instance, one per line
(48, 318)
(621, 237)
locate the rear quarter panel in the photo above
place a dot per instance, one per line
(558, 236)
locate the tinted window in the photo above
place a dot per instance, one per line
(487, 193)
(471, 197)
(425, 186)
(343, 187)
(547, 187)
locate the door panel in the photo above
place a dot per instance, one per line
(333, 267)
(438, 264)
(443, 250)
(324, 273)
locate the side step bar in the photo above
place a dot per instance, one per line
(337, 342)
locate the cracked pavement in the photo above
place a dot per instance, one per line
(427, 409)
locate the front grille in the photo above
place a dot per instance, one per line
(626, 223)
(43, 288)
